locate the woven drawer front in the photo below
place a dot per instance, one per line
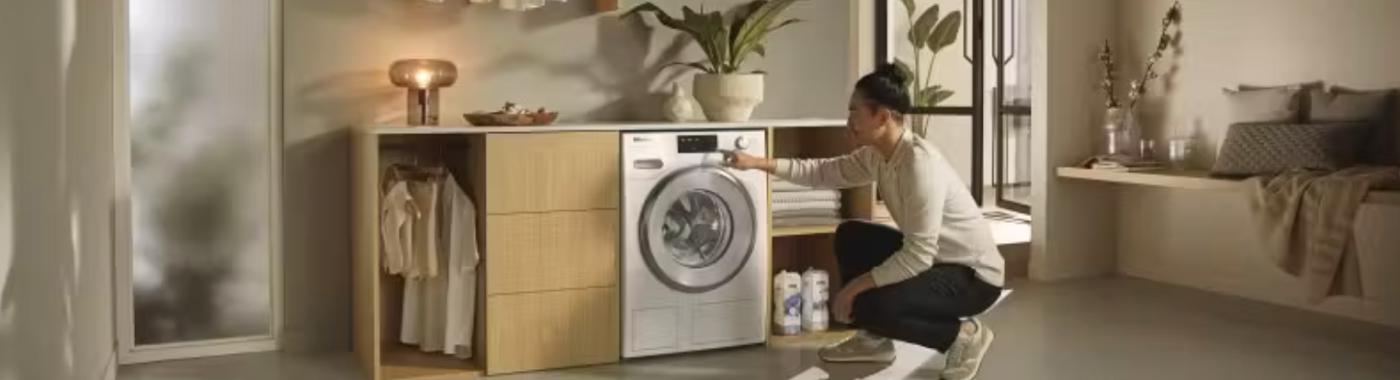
(551, 251)
(536, 331)
(1258, 149)
(535, 172)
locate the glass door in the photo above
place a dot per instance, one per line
(198, 166)
(972, 65)
(1011, 94)
(940, 42)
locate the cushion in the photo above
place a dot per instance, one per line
(1275, 105)
(1299, 90)
(1378, 107)
(1270, 148)
(1344, 105)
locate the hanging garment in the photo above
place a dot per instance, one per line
(459, 223)
(439, 311)
(422, 315)
(426, 195)
(396, 212)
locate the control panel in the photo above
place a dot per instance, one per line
(697, 144)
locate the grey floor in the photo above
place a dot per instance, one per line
(1110, 329)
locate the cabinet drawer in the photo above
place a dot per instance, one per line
(537, 331)
(534, 172)
(551, 251)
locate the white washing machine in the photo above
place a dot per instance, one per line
(695, 242)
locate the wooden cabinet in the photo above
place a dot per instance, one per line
(551, 256)
(552, 329)
(547, 294)
(542, 172)
(550, 251)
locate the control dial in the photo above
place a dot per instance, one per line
(741, 143)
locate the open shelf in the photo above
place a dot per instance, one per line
(1193, 180)
(1188, 180)
(401, 362)
(807, 339)
(803, 230)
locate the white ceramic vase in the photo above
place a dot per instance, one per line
(679, 106)
(729, 97)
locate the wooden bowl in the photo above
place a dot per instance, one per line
(493, 119)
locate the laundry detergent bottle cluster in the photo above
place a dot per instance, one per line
(800, 301)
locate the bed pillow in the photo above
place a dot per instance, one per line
(1273, 105)
(1268, 148)
(1299, 90)
(1376, 107)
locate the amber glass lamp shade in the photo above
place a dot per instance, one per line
(423, 78)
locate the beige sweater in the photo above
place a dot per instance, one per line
(940, 220)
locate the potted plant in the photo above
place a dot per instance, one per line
(1123, 130)
(725, 93)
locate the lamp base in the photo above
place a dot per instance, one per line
(423, 107)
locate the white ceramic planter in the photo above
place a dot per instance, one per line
(729, 97)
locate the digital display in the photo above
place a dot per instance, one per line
(697, 144)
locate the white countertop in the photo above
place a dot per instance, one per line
(600, 126)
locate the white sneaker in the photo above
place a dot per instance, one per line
(861, 347)
(965, 357)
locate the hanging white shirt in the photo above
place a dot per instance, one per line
(459, 223)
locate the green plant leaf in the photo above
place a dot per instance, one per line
(686, 26)
(742, 15)
(946, 33)
(918, 34)
(781, 25)
(761, 50)
(939, 96)
(758, 25)
(931, 96)
(909, 7)
(709, 34)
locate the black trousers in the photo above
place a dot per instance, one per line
(926, 310)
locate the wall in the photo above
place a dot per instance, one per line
(588, 67)
(1069, 217)
(1345, 42)
(57, 189)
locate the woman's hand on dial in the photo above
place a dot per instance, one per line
(745, 161)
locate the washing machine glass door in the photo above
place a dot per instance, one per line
(698, 229)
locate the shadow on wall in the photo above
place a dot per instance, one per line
(316, 204)
(619, 69)
(317, 265)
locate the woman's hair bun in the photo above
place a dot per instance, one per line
(893, 73)
(887, 87)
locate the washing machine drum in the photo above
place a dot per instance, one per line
(698, 229)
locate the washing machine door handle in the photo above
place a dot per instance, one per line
(648, 164)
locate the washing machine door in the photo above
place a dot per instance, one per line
(698, 229)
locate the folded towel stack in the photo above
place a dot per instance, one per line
(799, 206)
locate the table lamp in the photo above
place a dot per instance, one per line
(423, 78)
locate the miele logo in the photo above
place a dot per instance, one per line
(641, 139)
